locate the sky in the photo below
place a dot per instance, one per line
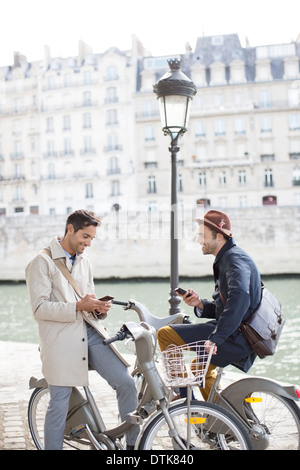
(163, 26)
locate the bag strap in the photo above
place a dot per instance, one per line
(64, 271)
(252, 314)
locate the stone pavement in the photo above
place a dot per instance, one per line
(20, 361)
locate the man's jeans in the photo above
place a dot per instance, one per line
(103, 359)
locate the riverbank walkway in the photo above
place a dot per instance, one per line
(20, 361)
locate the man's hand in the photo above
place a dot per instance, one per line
(192, 300)
(90, 303)
(208, 344)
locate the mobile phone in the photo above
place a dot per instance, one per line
(106, 297)
(182, 291)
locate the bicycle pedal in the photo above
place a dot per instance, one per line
(75, 432)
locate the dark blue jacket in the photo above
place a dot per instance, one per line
(238, 280)
(237, 294)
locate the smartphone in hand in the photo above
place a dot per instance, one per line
(182, 291)
(106, 298)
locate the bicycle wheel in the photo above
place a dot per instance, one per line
(212, 428)
(37, 408)
(275, 421)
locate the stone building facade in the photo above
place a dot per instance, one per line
(84, 132)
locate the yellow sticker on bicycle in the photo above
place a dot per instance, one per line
(194, 420)
(253, 400)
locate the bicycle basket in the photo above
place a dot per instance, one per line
(186, 365)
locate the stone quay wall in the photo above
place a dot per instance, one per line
(136, 244)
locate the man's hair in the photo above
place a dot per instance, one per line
(82, 218)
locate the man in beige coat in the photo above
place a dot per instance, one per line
(71, 336)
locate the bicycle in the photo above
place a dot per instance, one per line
(188, 425)
(266, 407)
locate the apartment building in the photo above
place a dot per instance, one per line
(242, 148)
(84, 131)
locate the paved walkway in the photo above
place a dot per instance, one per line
(18, 362)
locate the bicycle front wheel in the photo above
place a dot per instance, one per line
(211, 428)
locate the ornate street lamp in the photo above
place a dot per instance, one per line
(174, 92)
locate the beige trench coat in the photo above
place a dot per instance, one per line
(62, 330)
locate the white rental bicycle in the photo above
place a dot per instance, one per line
(184, 425)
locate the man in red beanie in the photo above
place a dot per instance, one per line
(237, 294)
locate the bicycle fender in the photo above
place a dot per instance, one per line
(37, 383)
(236, 392)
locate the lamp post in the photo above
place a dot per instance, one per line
(174, 92)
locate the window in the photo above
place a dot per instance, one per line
(67, 147)
(265, 124)
(293, 97)
(87, 144)
(50, 148)
(199, 129)
(149, 109)
(241, 151)
(17, 105)
(34, 210)
(269, 200)
(149, 133)
(296, 176)
(222, 178)
(112, 142)
(17, 171)
(87, 120)
(220, 151)
(269, 177)
(111, 95)
(112, 116)
(113, 166)
(239, 126)
(115, 188)
(67, 79)
(18, 193)
(49, 124)
(89, 190)
(294, 122)
(202, 178)
(217, 40)
(219, 127)
(111, 73)
(51, 171)
(50, 82)
(87, 77)
(66, 123)
(87, 101)
(180, 185)
(264, 99)
(242, 177)
(151, 185)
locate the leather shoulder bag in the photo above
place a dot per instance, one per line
(263, 328)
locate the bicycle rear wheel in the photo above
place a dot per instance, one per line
(37, 409)
(275, 421)
(212, 428)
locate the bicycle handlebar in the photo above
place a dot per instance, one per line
(117, 337)
(120, 302)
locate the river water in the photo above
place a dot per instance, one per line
(18, 325)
